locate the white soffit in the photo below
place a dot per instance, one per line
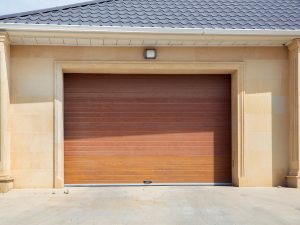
(68, 41)
(154, 41)
(122, 36)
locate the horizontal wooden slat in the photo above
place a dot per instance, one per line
(162, 143)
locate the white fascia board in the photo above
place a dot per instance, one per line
(150, 30)
(97, 29)
(252, 32)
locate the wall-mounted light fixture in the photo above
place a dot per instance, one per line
(150, 53)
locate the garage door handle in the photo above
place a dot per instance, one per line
(147, 181)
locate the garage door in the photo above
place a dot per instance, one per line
(140, 128)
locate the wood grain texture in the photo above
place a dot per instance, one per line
(131, 128)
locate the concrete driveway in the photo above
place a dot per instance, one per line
(155, 205)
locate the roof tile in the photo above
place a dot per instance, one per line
(229, 14)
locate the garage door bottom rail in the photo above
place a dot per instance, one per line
(148, 184)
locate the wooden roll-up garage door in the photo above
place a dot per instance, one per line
(136, 128)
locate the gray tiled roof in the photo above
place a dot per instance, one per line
(223, 14)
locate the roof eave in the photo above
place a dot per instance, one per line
(7, 27)
(75, 35)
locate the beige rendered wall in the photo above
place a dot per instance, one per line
(32, 93)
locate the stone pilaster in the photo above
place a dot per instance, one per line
(293, 178)
(6, 182)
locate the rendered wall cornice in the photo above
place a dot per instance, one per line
(294, 45)
(4, 38)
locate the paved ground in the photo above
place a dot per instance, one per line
(152, 205)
